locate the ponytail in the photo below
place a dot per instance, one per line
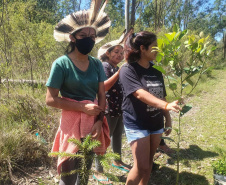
(134, 41)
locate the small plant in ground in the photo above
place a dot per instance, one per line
(85, 154)
(219, 171)
(219, 166)
(184, 58)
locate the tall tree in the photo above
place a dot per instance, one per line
(133, 11)
(115, 10)
(127, 3)
(156, 12)
(130, 13)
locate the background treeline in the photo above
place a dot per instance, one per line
(27, 50)
(26, 28)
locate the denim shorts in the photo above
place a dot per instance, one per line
(136, 134)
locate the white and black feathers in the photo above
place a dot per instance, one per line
(103, 49)
(95, 18)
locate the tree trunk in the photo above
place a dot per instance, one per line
(79, 5)
(155, 14)
(74, 5)
(127, 15)
(160, 14)
(133, 13)
(224, 41)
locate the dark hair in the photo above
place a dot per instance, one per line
(71, 46)
(104, 57)
(134, 41)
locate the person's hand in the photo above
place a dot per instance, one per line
(167, 129)
(96, 129)
(92, 109)
(173, 106)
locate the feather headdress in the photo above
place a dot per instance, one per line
(103, 49)
(95, 18)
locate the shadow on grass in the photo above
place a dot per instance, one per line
(194, 152)
(167, 176)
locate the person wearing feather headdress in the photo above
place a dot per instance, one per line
(111, 54)
(79, 79)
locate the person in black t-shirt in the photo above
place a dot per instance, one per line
(111, 54)
(144, 106)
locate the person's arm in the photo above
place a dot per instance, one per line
(111, 81)
(101, 96)
(96, 129)
(53, 100)
(168, 121)
(151, 100)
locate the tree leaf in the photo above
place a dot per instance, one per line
(208, 69)
(190, 81)
(171, 78)
(194, 72)
(176, 129)
(159, 68)
(160, 43)
(175, 28)
(201, 40)
(158, 57)
(186, 70)
(177, 35)
(213, 48)
(170, 36)
(185, 109)
(173, 86)
(165, 41)
(182, 34)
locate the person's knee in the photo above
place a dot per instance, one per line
(143, 170)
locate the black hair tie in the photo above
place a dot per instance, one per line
(134, 35)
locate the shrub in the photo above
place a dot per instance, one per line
(219, 166)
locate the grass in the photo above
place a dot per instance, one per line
(22, 115)
(203, 133)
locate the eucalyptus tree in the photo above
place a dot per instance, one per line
(166, 13)
(127, 3)
(115, 10)
(130, 13)
(220, 23)
(155, 13)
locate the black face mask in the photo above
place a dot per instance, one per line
(84, 45)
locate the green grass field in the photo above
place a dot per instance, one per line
(202, 140)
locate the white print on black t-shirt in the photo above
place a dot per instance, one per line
(156, 89)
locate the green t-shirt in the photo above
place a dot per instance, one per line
(74, 83)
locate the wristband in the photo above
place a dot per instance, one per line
(100, 116)
(166, 105)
